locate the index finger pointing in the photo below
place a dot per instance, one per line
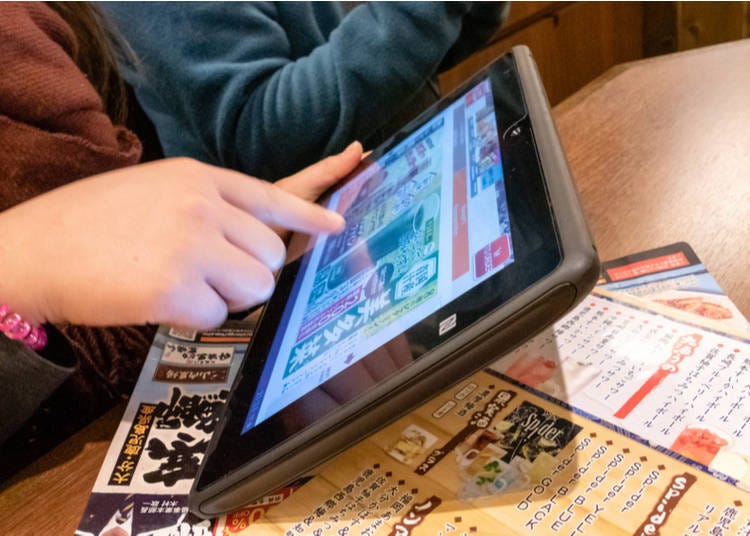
(276, 207)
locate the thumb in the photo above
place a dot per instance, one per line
(314, 180)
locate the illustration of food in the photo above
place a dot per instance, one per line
(542, 466)
(412, 443)
(699, 444)
(410, 446)
(732, 464)
(532, 371)
(699, 306)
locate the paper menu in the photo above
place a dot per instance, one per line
(673, 276)
(595, 481)
(154, 455)
(597, 382)
(675, 385)
(493, 456)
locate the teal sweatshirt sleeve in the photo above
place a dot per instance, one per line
(268, 88)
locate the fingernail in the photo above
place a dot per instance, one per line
(353, 144)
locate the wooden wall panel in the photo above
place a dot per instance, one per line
(672, 26)
(708, 23)
(572, 45)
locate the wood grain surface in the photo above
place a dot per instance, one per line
(660, 150)
(48, 497)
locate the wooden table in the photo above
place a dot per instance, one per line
(661, 153)
(660, 150)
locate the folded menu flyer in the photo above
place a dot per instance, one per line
(630, 415)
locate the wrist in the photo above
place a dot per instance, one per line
(15, 327)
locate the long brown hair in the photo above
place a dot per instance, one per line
(96, 54)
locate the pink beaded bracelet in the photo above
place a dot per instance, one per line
(16, 328)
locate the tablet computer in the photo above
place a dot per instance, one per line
(463, 238)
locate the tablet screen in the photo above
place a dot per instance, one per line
(425, 222)
(451, 255)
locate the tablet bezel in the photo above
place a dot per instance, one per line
(262, 453)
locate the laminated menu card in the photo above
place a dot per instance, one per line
(630, 415)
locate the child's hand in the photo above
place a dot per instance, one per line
(175, 241)
(310, 183)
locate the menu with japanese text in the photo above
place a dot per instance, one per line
(627, 416)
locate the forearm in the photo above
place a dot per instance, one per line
(253, 104)
(378, 58)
